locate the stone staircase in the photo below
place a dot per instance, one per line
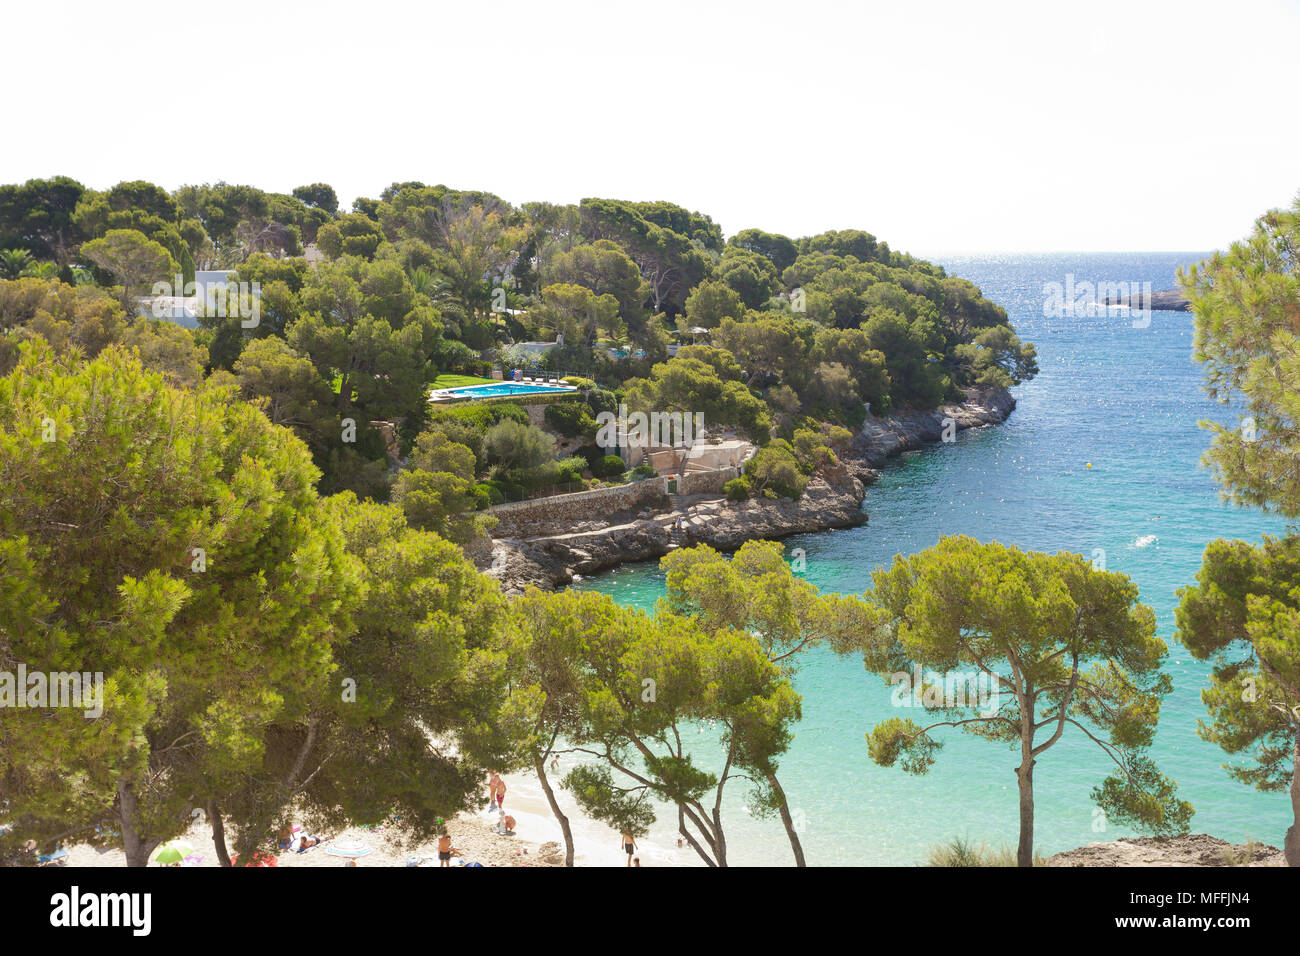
(695, 514)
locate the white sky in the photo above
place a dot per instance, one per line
(940, 127)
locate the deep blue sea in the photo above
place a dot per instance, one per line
(1125, 399)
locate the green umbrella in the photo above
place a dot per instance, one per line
(173, 852)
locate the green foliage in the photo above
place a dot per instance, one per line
(711, 302)
(774, 471)
(320, 195)
(1246, 336)
(687, 384)
(610, 466)
(437, 491)
(571, 469)
(1243, 614)
(134, 258)
(777, 249)
(751, 276)
(1067, 646)
(756, 593)
(625, 686)
(594, 790)
(100, 576)
(737, 489)
(352, 234)
(571, 419)
(38, 216)
(519, 451)
(812, 449)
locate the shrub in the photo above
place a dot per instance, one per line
(611, 466)
(483, 416)
(737, 489)
(507, 490)
(481, 497)
(577, 381)
(517, 447)
(593, 454)
(571, 469)
(774, 471)
(812, 449)
(491, 490)
(960, 852)
(601, 400)
(643, 471)
(571, 419)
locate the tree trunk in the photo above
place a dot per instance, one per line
(719, 839)
(787, 820)
(1291, 848)
(690, 837)
(1025, 848)
(136, 846)
(218, 833)
(540, 764)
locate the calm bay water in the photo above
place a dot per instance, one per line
(1127, 400)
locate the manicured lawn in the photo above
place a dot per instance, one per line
(457, 381)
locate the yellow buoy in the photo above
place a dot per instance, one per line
(1089, 464)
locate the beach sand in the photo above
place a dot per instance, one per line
(538, 840)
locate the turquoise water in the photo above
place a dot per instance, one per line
(506, 388)
(1125, 399)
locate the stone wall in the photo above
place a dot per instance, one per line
(521, 519)
(706, 482)
(562, 514)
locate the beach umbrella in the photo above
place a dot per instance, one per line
(173, 851)
(351, 849)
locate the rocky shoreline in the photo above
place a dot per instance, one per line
(832, 499)
(1192, 849)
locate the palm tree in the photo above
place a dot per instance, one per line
(13, 262)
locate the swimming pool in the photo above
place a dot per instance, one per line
(494, 389)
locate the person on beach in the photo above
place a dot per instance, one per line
(629, 844)
(444, 850)
(496, 791)
(636, 862)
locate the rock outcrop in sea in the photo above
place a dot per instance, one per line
(1166, 300)
(1191, 849)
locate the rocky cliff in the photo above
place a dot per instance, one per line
(884, 436)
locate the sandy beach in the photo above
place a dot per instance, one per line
(538, 840)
